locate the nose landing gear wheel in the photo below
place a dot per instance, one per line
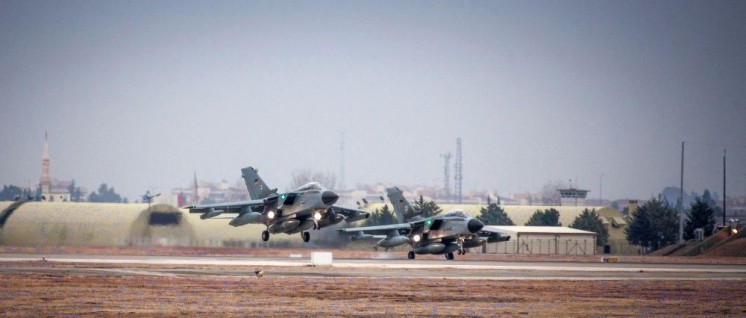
(410, 255)
(306, 236)
(265, 236)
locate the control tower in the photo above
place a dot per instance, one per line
(572, 197)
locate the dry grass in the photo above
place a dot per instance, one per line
(134, 295)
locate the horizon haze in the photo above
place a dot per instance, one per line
(141, 95)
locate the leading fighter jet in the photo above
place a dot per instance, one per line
(453, 231)
(308, 207)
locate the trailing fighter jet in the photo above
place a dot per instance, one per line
(148, 197)
(453, 231)
(308, 207)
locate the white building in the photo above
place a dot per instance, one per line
(543, 240)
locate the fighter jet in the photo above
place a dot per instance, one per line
(453, 231)
(308, 207)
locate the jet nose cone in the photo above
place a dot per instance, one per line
(474, 225)
(329, 197)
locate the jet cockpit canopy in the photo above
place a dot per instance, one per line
(310, 186)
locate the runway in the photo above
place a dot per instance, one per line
(375, 268)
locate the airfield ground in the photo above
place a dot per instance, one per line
(46, 288)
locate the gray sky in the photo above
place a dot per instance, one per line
(140, 94)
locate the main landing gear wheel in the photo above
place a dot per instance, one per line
(410, 255)
(449, 256)
(265, 236)
(306, 236)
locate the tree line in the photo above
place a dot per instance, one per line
(655, 224)
(104, 194)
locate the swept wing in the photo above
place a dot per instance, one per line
(401, 228)
(228, 207)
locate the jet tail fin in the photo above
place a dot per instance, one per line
(254, 183)
(404, 210)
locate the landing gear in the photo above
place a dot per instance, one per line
(306, 236)
(461, 249)
(449, 256)
(265, 236)
(410, 255)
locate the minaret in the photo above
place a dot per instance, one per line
(195, 193)
(46, 183)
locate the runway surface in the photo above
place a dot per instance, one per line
(376, 268)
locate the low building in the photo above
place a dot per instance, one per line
(543, 240)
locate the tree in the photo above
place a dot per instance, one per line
(381, 216)
(12, 193)
(653, 225)
(493, 214)
(548, 217)
(701, 215)
(105, 194)
(427, 209)
(75, 192)
(711, 200)
(550, 193)
(588, 220)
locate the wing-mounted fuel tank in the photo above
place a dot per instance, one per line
(431, 248)
(393, 241)
(357, 217)
(302, 226)
(246, 218)
(436, 248)
(330, 218)
(210, 214)
(360, 236)
(475, 241)
(497, 237)
(284, 226)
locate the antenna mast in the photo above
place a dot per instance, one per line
(459, 166)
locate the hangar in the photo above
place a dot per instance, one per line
(91, 224)
(543, 240)
(33, 223)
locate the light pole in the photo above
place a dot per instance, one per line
(681, 198)
(724, 152)
(601, 189)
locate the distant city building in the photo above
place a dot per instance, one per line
(205, 192)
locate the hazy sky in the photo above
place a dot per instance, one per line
(140, 94)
